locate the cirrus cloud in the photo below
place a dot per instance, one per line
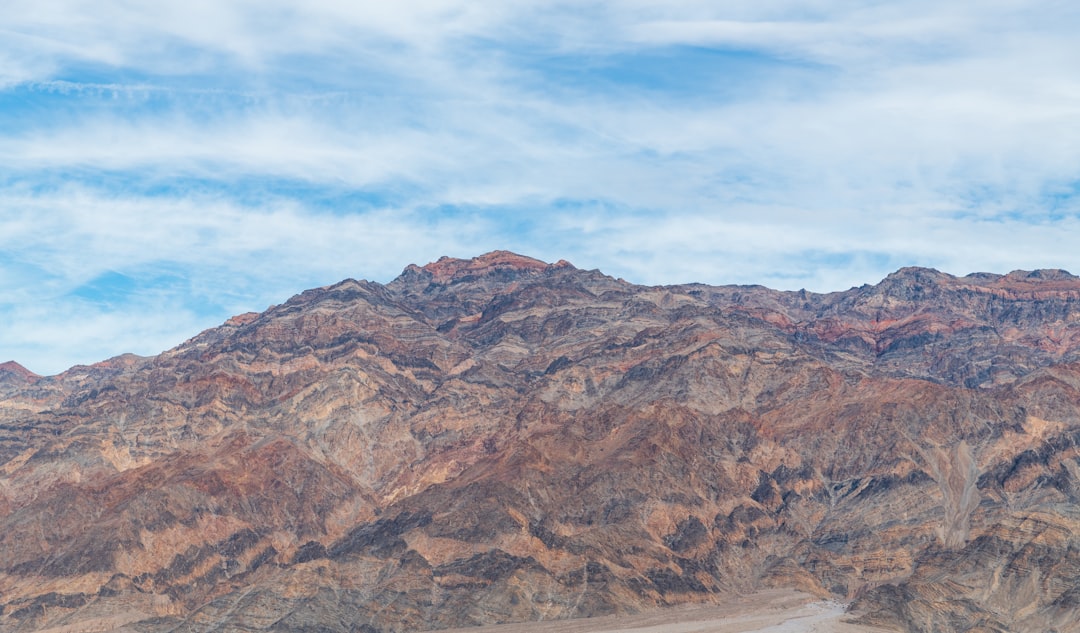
(166, 165)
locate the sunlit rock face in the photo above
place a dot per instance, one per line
(501, 439)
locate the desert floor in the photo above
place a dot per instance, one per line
(778, 611)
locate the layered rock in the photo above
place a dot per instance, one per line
(500, 439)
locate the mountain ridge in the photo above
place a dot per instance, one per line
(500, 439)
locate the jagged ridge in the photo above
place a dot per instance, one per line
(502, 439)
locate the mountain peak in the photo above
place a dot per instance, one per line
(450, 269)
(11, 369)
(1042, 274)
(918, 273)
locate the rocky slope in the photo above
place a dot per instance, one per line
(501, 439)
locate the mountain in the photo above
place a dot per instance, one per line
(505, 440)
(14, 376)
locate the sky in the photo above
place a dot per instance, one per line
(165, 165)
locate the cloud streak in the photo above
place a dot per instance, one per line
(223, 155)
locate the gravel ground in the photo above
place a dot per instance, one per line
(766, 612)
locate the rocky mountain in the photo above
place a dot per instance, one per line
(501, 439)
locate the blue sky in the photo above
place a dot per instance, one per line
(165, 165)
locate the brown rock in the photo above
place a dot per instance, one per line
(500, 439)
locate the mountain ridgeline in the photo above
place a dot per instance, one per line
(506, 440)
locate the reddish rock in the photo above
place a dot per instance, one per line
(242, 319)
(448, 269)
(500, 439)
(16, 372)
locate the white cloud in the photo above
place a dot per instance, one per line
(824, 144)
(222, 259)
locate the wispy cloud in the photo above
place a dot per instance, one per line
(163, 165)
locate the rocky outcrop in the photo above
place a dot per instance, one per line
(14, 376)
(501, 439)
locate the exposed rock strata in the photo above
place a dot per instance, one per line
(501, 439)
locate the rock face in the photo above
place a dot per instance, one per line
(502, 439)
(14, 376)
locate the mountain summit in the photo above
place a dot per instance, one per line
(504, 440)
(449, 269)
